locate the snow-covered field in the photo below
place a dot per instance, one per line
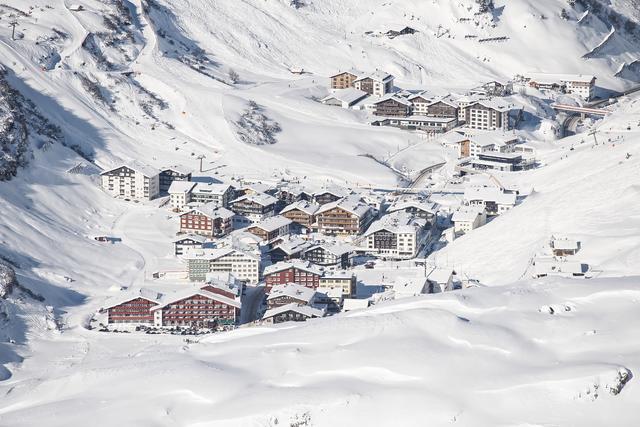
(149, 80)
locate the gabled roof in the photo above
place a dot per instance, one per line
(272, 223)
(422, 205)
(144, 293)
(379, 76)
(211, 210)
(195, 237)
(466, 214)
(424, 95)
(303, 206)
(333, 190)
(145, 170)
(190, 293)
(352, 72)
(183, 170)
(444, 100)
(391, 96)
(349, 95)
(294, 263)
(565, 244)
(397, 222)
(259, 198)
(337, 250)
(305, 310)
(350, 204)
(292, 290)
(293, 245)
(493, 104)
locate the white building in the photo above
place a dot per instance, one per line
(345, 98)
(242, 265)
(579, 84)
(491, 115)
(397, 236)
(180, 194)
(134, 181)
(378, 84)
(468, 218)
(493, 200)
(420, 102)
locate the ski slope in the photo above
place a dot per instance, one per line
(155, 88)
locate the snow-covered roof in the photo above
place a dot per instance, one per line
(146, 170)
(397, 223)
(445, 100)
(335, 249)
(211, 188)
(303, 206)
(190, 293)
(349, 95)
(212, 210)
(452, 137)
(272, 223)
(422, 205)
(183, 170)
(393, 96)
(305, 310)
(380, 76)
(551, 265)
(292, 290)
(350, 204)
(293, 245)
(340, 274)
(259, 198)
(494, 104)
(195, 237)
(466, 214)
(180, 187)
(550, 78)
(333, 190)
(565, 244)
(294, 263)
(144, 293)
(490, 194)
(351, 71)
(424, 95)
(409, 286)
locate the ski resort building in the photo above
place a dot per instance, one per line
(271, 228)
(345, 98)
(135, 182)
(201, 262)
(396, 236)
(295, 271)
(343, 80)
(207, 220)
(347, 216)
(424, 123)
(197, 309)
(291, 313)
(377, 84)
(492, 115)
(254, 207)
(392, 106)
(579, 84)
(290, 293)
(420, 103)
(468, 218)
(329, 255)
(302, 213)
(346, 281)
(170, 175)
(135, 309)
(188, 241)
(493, 200)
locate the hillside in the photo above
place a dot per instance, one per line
(92, 84)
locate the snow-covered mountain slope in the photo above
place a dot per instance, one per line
(585, 190)
(551, 352)
(148, 80)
